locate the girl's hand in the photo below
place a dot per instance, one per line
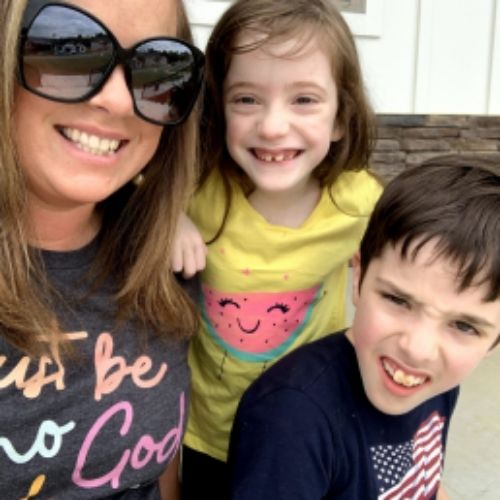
(189, 252)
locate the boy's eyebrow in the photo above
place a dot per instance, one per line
(467, 318)
(394, 288)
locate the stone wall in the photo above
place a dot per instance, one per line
(407, 140)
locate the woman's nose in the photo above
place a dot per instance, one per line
(114, 96)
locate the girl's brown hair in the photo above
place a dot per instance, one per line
(273, 20)
(137, 232)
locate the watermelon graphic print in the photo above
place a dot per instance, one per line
(256, 326)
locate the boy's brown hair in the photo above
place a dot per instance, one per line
(452, 200)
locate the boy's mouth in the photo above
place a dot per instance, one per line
(90, 143)
(401, 377)
(275, 156)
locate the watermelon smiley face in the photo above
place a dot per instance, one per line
(256, 326)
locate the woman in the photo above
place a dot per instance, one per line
(97, 153)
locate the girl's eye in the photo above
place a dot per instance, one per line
(304, 99)
(464, 327)
(245, 99)
(395, 299)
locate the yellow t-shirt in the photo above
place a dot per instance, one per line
(266, 290)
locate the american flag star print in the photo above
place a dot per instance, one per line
(411, 470)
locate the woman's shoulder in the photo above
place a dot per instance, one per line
(356, 192)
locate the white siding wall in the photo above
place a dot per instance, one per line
(494, 93)
(418, 56)
(454, 63)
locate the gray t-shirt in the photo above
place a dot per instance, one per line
(101, 423)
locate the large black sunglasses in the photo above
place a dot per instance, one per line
(66, 55)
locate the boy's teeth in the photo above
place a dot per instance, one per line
(401, 378)
(91, 143)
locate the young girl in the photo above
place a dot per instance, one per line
(283, 201)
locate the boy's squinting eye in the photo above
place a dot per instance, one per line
(464, 327)
(395, 299)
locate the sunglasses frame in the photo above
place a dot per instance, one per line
(119, 55)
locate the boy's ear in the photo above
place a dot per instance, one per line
(356, 277)
(497, 341)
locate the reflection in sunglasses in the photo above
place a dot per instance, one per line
(67, 55)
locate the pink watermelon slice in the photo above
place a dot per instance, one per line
(256, 326)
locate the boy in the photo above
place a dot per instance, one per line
(365, 413)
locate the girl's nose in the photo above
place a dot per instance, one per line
(114, 97)
(273, 122)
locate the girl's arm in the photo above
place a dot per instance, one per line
(169, 481)
(189, 252)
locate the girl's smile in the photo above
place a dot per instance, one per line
(280, 107)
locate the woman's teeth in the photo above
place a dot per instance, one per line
(91, 143)
(402, 378)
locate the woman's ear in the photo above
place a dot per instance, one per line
(356, 277)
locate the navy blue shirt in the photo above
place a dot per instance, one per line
(305, 430)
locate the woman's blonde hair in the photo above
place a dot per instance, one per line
(137, 231)
(273, 21)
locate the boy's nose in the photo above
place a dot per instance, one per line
(114, 95)
(273, 122)
(420, 343)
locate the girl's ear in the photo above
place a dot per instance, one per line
(337, 132)
(356, 277)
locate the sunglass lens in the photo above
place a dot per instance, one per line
(65, 54)
(165, 80)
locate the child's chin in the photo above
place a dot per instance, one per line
(395, 406)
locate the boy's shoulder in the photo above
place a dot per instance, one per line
(326, 371)
(311, 368)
